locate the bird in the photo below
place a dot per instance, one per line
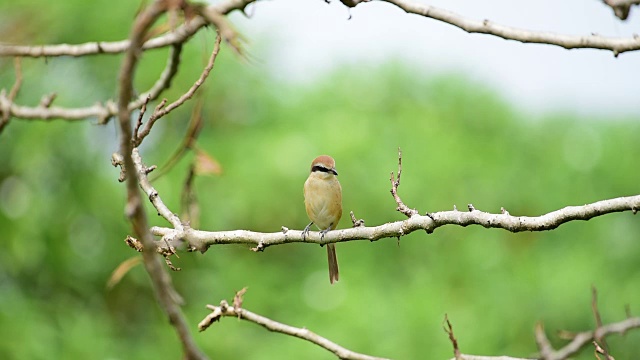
(323, 203)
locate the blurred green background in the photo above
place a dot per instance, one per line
(62, 223)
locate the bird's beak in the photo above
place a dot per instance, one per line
(334, 171)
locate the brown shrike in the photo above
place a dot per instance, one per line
(323, 202)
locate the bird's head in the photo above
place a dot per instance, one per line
(324, 166)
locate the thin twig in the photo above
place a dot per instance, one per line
(136, 129)
(394, 190)
(164, 81)
(449, 330)
(224, 310)
(159, 113)
(225, 30)
(163, 288)
(152, 194)
(193, 130)
(17, 64)
(580, 340)
(103, 112)
(616, 45)
(178, 36)
(600, 350)
(596, 315)
(5, 107)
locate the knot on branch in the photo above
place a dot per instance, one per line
(133, 243)
(117, 160)
(261, 246)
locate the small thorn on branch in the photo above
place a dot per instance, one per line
(167, 260)
(47, 100)
(356, 223)
(504, 211)
(149, 169)
(237, 299)
(470, 207)
(118, 161)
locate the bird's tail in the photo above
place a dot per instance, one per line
(333, 263)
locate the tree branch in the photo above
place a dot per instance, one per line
(164, 291)
(103, 112)
(394, 191)
(5, 109)
(584, 338)
(616, 45)
(224, 310)
(201, 240)
(547, 352)
(178, 36)
(160, 112)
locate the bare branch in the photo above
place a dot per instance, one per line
(449, 330)
(480, 357)
(103, 112)
(17, 63)
(164, 81)
(201, 240)
(582, 339)
(164, 291)
(160, 112)
(178, 36)
(218, 312)
(544, 345)
(600, 350)
(193, 130)
(217, 19)
(394, 190)
(152, 194)
(100, 111)
(616, 45)
(596, 315)
(5, 108)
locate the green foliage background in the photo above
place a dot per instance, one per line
(62, 223)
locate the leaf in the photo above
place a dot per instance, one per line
(121, 270)
(206, 164)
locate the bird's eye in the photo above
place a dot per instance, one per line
(323, 169)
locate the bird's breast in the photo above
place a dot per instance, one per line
(323, 201)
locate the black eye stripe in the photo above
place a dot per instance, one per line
(323, 169)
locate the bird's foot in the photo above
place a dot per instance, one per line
(305, 232)
(324, 232)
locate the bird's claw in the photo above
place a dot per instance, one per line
(305, 232)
